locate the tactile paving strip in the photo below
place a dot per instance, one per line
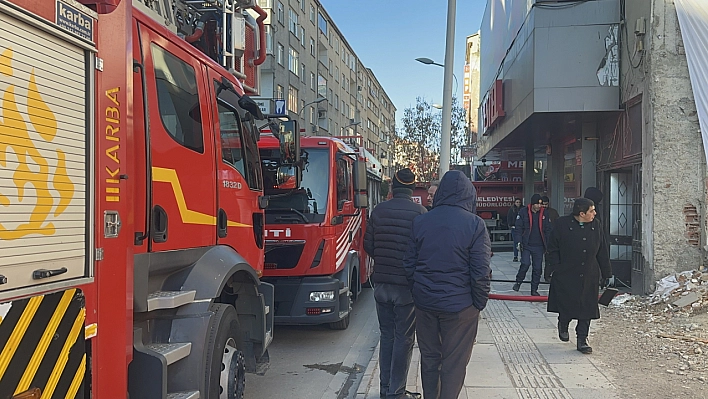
(532, 377)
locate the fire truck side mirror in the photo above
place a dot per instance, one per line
(249, 105)
(359, 176)
(289, 138)
(361, 199)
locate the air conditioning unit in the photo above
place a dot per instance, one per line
(321, 113)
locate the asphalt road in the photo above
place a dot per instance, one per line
(312, 362)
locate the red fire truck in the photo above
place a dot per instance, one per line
(315, 223)
(131, 221)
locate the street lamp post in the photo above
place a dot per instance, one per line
(447, 87)
(341, 131)
(315, 101)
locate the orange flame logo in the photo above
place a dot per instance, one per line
(48, 194)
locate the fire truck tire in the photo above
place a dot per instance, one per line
(225, 366)
(341, 324)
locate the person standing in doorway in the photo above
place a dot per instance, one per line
(551, 213)
(386, 241)
(578, 256)
(511, 222)
(447, 266)
(535, 228)
(431, 194)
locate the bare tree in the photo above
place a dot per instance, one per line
(417, 143)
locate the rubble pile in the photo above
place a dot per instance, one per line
(684, 293)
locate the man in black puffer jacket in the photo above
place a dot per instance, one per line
(447, 264)
(386, 240)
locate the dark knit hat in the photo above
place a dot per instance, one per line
(404, 178)
(594, 194)
(536, 199)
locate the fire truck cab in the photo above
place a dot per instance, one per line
(132, 223)
(315, 222)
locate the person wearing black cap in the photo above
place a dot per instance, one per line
(386, 241)
(534, 227)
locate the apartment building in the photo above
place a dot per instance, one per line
(309, 59)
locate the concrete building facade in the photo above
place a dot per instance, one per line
(597, 93)
(309, 58)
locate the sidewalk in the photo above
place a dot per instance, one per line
(517, 354)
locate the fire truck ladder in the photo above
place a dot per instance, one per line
(181, 16)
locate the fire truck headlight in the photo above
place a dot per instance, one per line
(317, 296)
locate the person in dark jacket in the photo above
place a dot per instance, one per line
(511, 222)
(386, 241)
(578, 255)
(535, 228)
(551, 213)
(447, 265)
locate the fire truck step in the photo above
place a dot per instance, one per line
(184, 395)
(172, 352)
(169, 299)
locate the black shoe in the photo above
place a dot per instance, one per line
(563, 333)
(516, 286)
(583, 346)
(535, 293)
(516, 258)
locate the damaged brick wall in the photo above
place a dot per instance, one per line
(693, 225)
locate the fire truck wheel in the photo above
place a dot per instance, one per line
(341, 324)
(225, 366)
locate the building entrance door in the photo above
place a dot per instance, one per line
(621, 226)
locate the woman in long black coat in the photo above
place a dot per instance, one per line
(578, 255)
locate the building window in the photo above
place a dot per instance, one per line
(302, 71)
(281, 13)
(281, 51)
(329, 96)
(292, 99)
(336, 73)
(294, 62)
(269, 39)
(292, 22)
(265, 3)
(329, 66)
(312, 13)
(178, 99)
(302, 36)
(302, 5)
(279, 92)
(313, 82)
(321, 86)
(336, 101)
(322, 23)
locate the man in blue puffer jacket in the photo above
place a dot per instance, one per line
(447, 266)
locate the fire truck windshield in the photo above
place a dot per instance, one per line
(288, 204)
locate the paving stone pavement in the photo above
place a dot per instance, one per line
(517, 355)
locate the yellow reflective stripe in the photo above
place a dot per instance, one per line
(44, 342)
(63, 356)
(237, 224)
(187, 215)
(78, 379)
(14, 341)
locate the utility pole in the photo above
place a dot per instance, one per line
(446, 134)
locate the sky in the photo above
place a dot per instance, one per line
(388, 35)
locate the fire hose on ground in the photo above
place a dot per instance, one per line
(520, 298)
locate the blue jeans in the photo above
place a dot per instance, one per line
(531, 254)
(394, 306)
(517, 239)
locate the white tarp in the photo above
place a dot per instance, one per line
(693, 20)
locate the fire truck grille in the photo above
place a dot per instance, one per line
(283, 256)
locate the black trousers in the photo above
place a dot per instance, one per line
(581, 330)
(445, 341)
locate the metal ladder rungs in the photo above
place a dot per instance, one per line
(172, 352)
(183, 395)
(169, 299)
